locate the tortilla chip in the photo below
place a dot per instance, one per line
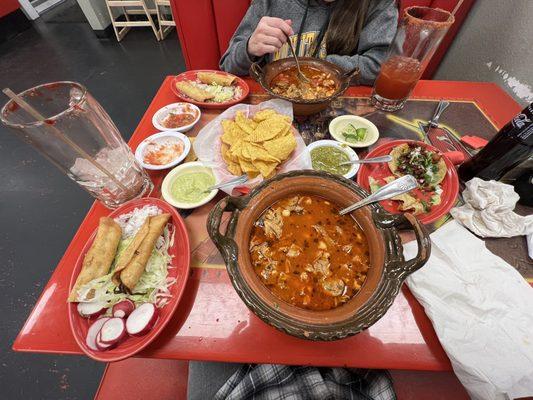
(282, 147)
(263, 114)
(265, 168)
(247, 125)
(258, 145)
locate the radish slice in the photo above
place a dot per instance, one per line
(123, 309)
(102, 346)
(142, 319)
(112, 331)
(91, 309)
(93, 331)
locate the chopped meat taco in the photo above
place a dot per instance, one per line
(426, 166)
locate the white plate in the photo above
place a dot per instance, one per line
(139, 153)
(195, 166)
(349, 152)
(337, 125)
(181, 108)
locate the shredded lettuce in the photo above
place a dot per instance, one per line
(153, 286)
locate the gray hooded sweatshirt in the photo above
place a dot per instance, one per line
(377, 34)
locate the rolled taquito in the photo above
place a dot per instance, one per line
(132, 262)
(211, 77)
(100, 256)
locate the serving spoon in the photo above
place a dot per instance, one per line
(300, 73)
(239, 180)
(380, 159)
(401, 185)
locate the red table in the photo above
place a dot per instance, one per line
(212, 323)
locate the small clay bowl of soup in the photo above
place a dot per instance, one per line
(303, 268)
(179, 117)
(326, 82)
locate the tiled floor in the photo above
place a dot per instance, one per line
(40, 209)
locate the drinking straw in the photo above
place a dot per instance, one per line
(457, 6)
(56, 132)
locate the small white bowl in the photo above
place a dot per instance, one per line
(182, 108)
(161, 136)
(349, 152)
(337, 125)
(194, 166)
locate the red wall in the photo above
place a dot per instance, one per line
(8, 6)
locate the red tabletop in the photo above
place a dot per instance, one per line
(212, 323)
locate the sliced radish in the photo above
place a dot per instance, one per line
(123, 309)
(91, 309)
(103, 346)
(142, 319)
(112, 331)
(93, 331)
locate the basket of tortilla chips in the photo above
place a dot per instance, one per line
(256, 140)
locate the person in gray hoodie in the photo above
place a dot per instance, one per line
(349, 33)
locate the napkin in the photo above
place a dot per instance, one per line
(488, 210)
(482, 311)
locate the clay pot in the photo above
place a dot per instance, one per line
(300, 106)
(388, 268)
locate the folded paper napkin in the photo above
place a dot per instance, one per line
(488, 210)
(482, 311)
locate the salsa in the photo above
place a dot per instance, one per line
(307, 254)
(175, 120)
(191, 187)
(328, 158)
(288, 84)
(162, 151)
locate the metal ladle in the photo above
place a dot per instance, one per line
(401, 185)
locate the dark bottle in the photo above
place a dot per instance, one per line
(512, 145)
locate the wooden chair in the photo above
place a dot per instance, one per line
(131, 7)
(165, 25)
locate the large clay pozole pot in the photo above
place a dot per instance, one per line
(388, 268)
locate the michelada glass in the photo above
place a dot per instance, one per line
(70, 128)
(420, 32)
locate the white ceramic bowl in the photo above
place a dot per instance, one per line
(182, 108)
(338, 124)
(349, 152)
(161, 136)
(195, 166)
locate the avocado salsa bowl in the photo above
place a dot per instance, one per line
(304, 269)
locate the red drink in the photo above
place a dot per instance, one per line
(398, 77)
(419, 33)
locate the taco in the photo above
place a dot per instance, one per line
(428, 167)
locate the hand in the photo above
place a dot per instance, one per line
(269, 35)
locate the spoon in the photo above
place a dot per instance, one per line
(300, 73)
(380, 159)
(401, 185)
(239, 180)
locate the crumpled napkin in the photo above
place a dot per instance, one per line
(488, 211)
(482, 311)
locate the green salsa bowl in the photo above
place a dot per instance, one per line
(327, 154)
(184, 186)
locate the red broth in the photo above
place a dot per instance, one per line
(307, 254)
(288, 84)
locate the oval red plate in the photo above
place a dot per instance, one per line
(191, 76)
(180, 263)
(450, 184)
